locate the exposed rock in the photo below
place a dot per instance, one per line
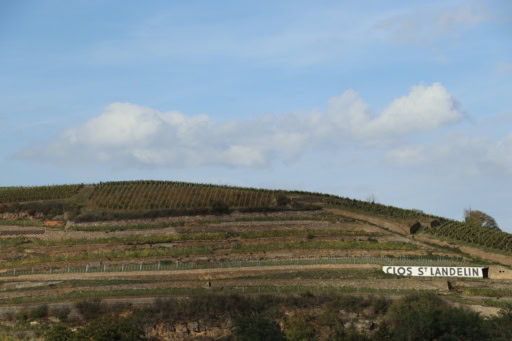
(193, 326)
(164, 245)
(95, 264)
(181, 329)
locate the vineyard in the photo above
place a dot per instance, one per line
(123, 197)
(481, 236)
(137, 241)
(375, 208)
(154, 195)
(24, 194)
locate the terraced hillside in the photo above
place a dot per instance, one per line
(131, 242)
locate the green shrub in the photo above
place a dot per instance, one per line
(111, 329)
(428, 317)
(219, 207)
(298, 329)
(90, 309)
(59, 332)
(61, 313)
(283, 200)
(39, 312)
(256, 328)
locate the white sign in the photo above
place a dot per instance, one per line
(434, 271)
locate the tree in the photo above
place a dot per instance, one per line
(479, 218)
(371, 198)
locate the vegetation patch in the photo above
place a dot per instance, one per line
(337, 245)
(475, 235)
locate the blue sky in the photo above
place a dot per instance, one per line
(409, 101)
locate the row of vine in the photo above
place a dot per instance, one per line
(476, 235)
(36, 193)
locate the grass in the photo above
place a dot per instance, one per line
(108, 282)
(497, 304)
(145, 253)
(12, 242)
(320, 274)
(443, 247)
(155, 292)
(303, 233)
(488, 292)
(337, 245)
(111, 228)
(135, 239)
(140, 239)
(162, 225)
(21, 222)
(474, 245)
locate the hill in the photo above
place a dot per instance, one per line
(131, 242)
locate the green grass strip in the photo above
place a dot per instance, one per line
(337, 245)
(21, 222)
(204, 291)
(135, 239)
(145, 253)
(488, 292)
(162, 225)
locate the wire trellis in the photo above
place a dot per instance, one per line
(96, 267)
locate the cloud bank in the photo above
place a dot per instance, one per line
(127, 134)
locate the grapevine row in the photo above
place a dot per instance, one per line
(376, 208)
(149, 195)
(24, 194)
(481, 236)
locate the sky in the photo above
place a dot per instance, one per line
(406, 101)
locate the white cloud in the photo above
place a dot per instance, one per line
(132, 135)
(424, 26)
(424, 108)
(462, 153)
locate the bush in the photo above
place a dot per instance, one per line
(112, 329)
(299, 329)
(256, 328)
(90, 309)
(283, 200)
(22, 317)
(40, 312)
(428, 317)
(59, 332)
(219, 207)
(499, 326)
(61, 313)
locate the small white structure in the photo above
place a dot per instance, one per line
(437, 271)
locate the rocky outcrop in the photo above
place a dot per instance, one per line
(194, 330)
